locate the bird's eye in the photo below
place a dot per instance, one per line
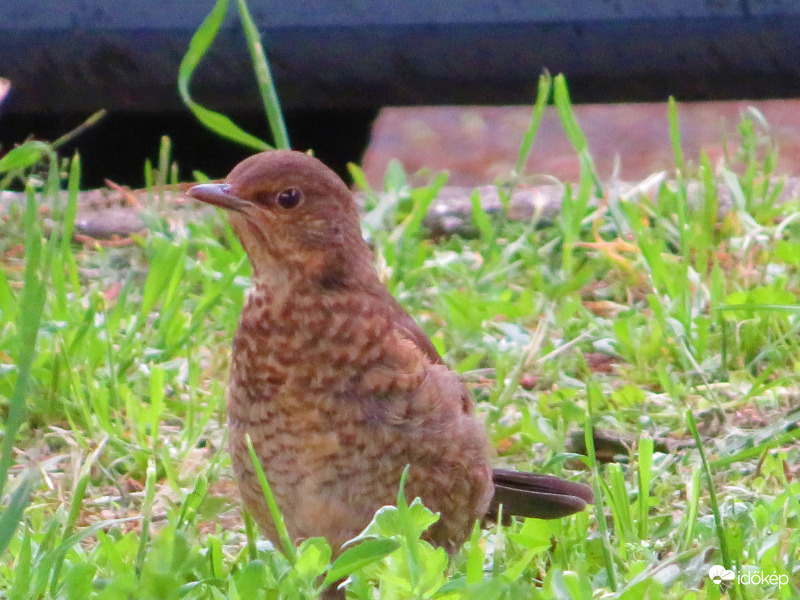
(290, 197)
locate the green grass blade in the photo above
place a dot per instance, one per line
(12, 515)
(8, 301)
(573, 211)
(571, 127)
(147, 513)
(277, 518)
(594, 398)
(90, 122)
(24, 156)
(70, 212)
(675, 134)
(645, 455)
(79, 493)
(207, 303)
(712, 495)
(52, 555)
(567, 116)
(251, 533)
(157, 378)
(620, 507)
(749, 453)
(358, 557)
(22, 571)
(481, 220)
(198, 47)
(266, 86)
(475, 557)
(31, 307)
(692, 504)
(542, 96)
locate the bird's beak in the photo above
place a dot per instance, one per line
(218, 194)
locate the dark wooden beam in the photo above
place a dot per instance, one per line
(67, 56)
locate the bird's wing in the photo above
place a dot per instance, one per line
(411, 330)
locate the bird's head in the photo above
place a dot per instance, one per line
(291, 212)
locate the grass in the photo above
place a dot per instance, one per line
(122, 421)
(647, 316)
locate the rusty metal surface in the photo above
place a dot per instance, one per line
(627, 141)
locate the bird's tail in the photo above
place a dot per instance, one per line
(538, 496)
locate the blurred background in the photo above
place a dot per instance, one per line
(445, 85)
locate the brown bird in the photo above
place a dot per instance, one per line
(336, 384)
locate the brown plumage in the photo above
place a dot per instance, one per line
(336, 384)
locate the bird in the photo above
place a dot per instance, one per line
(337, 386)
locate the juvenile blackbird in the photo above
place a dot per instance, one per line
(336, 384)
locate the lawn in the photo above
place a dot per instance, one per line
(661, 325)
